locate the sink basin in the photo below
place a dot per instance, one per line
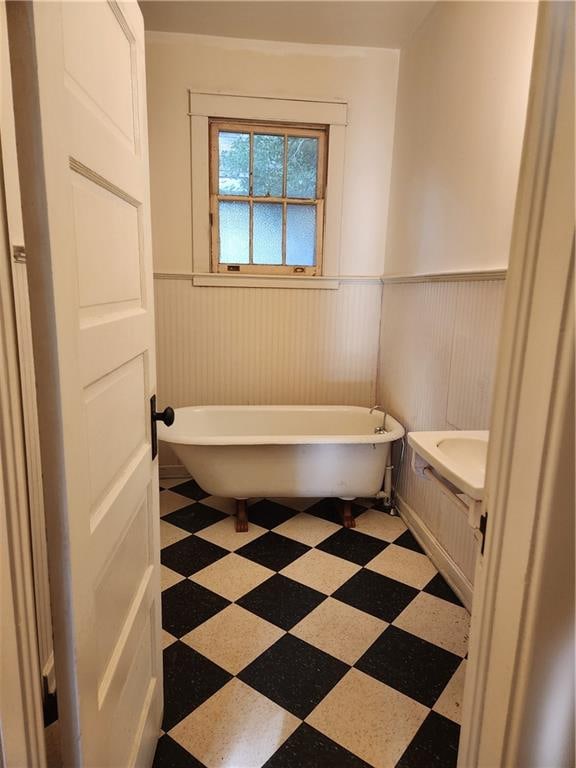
(458, 456)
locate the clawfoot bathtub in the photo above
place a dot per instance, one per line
(244, 452)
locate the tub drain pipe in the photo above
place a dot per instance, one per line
(388, 492)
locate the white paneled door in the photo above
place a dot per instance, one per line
(80, 105)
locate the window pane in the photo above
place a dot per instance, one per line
(301, 235)
(267, 243)
(234, 221)
(268, 165)
(302, 167)
(234, 163)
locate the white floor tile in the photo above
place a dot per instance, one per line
(235, 728)
(437, 621)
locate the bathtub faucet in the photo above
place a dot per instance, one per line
(382, 429)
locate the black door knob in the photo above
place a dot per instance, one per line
(167, 416)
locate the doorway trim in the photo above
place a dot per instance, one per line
(532, 392)
(21, 716)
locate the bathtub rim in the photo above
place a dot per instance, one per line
(170, 437)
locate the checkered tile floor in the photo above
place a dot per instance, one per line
(301, 644)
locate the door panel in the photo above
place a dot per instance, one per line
(99, 57)
(89, 220)
(107, 241)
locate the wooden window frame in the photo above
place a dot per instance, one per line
(266, 108)
(286, 129)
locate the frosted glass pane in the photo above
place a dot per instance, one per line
(268, 165)
(234, 163)
(301, 235)
(267, 243)
(234, 221)
(302, 167)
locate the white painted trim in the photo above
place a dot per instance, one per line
(356, 279)
(447, 277)
(245, 95)
(448, 567)
(202, 106)
(523, 455)
(21, 718)
(27, 376)
(34, 472)
(245, 107)
(264, 281)
(334, 195)
(200, 186)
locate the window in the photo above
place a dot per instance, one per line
(266, 115)
(267, 185)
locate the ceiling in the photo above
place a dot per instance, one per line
(375, 24)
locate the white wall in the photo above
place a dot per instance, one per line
(364, 77)
(438, 349)
(462, 97)
(268, 345)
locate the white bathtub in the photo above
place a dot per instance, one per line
(244, 452)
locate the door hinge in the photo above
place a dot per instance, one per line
(483, 526)
(19, 254)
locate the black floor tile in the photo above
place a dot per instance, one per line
(329, 509)
(281, 601)
(407, 540)
(273, 551)
(439, 588)
(375, 594)
(191, 555)
(169, 754)
(187, 605)
(189, 680)
(269, 514)
(434, 746)
(195, 517)
(307, 748)
(294, 675)
(357, 547)
(191, 489)
(410, 665)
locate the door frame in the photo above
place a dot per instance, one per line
(21, 715)
(495, 673)
(37, 53)
(529, 485)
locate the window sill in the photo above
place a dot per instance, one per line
(215, 280)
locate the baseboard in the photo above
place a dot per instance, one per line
(449, 569)
(169, 471)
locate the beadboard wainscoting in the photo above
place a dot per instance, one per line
(438, 350)
(227, 345)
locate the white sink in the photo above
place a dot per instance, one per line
(458, 456)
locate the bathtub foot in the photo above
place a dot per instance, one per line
(348, 520)
(241, 516)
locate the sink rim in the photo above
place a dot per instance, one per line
(468, 479)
